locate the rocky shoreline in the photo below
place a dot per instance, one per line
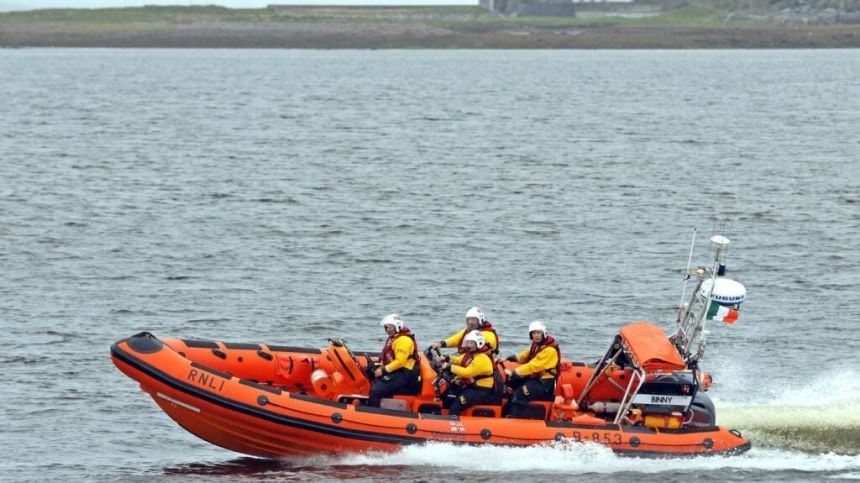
(802, 12)
(381, 35)
(689, 27)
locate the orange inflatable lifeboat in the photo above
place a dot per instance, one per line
(645, 396)
(273, 401)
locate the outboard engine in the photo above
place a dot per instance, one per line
(666, 394)
(663, 401)
(675, 398)
(703, 412)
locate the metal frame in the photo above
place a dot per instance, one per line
(599, 369)
(690, 328)
(638, 378)
(627, 400)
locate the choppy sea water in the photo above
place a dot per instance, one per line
(291, 196)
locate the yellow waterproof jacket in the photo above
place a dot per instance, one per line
(542, 364)
(489, 338)
(479, 370)
(403, 348)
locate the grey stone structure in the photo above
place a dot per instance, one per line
(562, 8)
(819, 12)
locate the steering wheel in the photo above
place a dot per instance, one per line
(434, 357)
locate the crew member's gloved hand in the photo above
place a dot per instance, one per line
(445, 358)
(436, 346)
(370, 372)
(511, 358)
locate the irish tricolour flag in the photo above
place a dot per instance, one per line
(724, 314)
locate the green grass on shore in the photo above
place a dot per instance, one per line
(455, 17)
(183, 14)
(134, 14)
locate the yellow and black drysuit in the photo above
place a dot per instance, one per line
(490, 337)
(400, 369)
(534, 379)
(474, 383)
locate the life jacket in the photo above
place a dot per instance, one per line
(487, 327)
(467, 359)
(547, 341)
(388, 349)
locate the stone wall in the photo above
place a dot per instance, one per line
(820, 12)
(555, 8)
(601, 9)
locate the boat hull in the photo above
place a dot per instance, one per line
(261, 420)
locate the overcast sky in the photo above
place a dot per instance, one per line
(33, 4)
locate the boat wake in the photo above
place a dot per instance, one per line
(787, 434)
(822, 417)
(561, 458)
(834, 427)
(449, 461)
(789, 439)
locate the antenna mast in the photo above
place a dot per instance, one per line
(711, 288)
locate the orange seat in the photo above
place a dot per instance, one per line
(588, 419)
(564, 407)
(428, 375)
(566, 391)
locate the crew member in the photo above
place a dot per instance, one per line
(475, 320)
(473, 369)
(535, 378)
(399, 369)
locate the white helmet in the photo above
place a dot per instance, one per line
(537, 325)
(392, 319)
(477, 337)
(477, 313)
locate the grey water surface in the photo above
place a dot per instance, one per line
(290, 196)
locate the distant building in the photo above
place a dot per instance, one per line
(575, 8)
